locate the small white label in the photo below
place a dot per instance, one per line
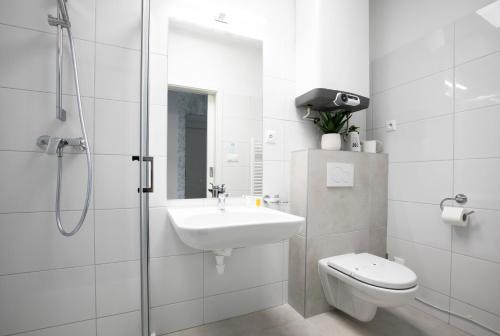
(339, 174)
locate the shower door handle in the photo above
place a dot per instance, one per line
(149, 159)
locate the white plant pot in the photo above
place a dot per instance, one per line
(331, 141)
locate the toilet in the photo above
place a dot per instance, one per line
(358, 283)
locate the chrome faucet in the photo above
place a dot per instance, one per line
(216, 190)
(55, 145)
(221, 203)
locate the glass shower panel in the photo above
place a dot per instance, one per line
(52, 282)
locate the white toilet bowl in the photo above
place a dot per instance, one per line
(359, 283)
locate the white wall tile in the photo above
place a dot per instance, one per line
(481, 316)
(85, 328)
(475, 37)
(232, 129)
(359, 119)
(431, 265)
(42, 299)
(36, 69)
(420, 99)
(426, 182)
(480, 238)
(163, 239)
(437, 299)
(81, 13)
(128, 324)
(246, 267)
(279, 42)
(473, 171)
(178, 316)
(158, 84)
(274, 151)
(158, 32)
(423, 140)
(116, 127)
(477, 83)
(242, 106)
(32, 242)
(417, 222)
(118, 22)
(116, 182)
(274, 181)
(279, 99)
(31, 177)
(157, 130)
(118, 288)
(117, 73)
(227, 305)
(483, 144)
(479, 180)
(300, 135)
(176, 279)
(470, 274)
(30, 114)
(370, 115)
(431, 54)
(116, 235)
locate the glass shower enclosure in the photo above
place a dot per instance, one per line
(77, 171)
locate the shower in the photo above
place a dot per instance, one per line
(55, 145)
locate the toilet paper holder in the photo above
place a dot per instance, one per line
(459, 198)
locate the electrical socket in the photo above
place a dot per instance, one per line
(391, 125)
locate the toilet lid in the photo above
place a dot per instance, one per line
(374, 270)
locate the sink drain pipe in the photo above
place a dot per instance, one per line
(219, 258)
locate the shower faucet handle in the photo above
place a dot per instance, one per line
(53, 145)
(49, 143)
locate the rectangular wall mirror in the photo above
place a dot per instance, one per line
(214, 112)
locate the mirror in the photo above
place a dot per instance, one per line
(214, 112)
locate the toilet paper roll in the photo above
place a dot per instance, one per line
(455, 216)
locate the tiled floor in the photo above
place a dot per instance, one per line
(284, 321)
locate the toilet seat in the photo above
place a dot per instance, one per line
(358, 284)
(374, 271)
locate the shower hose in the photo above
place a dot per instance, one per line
(87, 154)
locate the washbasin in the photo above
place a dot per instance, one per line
(208, 228)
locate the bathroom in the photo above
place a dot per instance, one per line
(217, 167)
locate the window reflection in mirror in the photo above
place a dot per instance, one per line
(214, 112)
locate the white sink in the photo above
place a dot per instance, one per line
(208, 228)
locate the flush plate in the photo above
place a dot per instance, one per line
(339, 174)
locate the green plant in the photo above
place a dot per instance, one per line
(329, 122)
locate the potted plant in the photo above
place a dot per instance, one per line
(331, 124)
